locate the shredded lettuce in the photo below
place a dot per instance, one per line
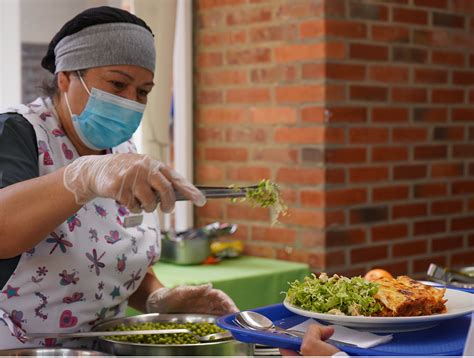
(335, 295)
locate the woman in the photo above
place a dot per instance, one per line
(72, 252)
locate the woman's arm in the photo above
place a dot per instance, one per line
(149, 284)
(30, 210)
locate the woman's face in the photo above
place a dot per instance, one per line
(130, 82)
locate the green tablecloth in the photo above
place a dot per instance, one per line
(250, 281)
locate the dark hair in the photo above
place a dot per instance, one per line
(90, 17)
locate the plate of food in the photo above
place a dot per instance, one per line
(383, 305)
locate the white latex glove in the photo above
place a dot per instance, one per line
(133, 180)
(190, 299)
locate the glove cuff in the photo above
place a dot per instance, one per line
(154, 301)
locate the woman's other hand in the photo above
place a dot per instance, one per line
(314, 343)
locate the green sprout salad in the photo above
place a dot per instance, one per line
(336, 295)
(265, 195)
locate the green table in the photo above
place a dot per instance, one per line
(250, 281)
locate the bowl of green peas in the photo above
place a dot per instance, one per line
(178, 344)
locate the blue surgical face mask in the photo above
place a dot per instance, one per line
(107, 120)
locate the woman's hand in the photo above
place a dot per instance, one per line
(133, 180)
(191, 299)
(314, 343)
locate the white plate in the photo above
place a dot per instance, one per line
(459, 303)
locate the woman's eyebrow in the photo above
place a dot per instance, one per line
(131, 77)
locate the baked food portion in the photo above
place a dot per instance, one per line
(404, 296)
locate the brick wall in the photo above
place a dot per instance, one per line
(360, 110)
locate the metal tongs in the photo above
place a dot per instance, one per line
(451, 277)
(216, 192)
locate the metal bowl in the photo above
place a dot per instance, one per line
(228, 347)
(48, 352)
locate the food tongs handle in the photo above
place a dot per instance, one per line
(442, 275)
(219, 192)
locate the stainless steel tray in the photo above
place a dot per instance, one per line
(229, 347)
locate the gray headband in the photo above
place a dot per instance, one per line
(106, 45)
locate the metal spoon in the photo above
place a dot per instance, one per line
(259, 322)
(207, 338)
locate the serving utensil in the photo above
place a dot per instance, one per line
(207, 338)
(446, 276)
(258, 322)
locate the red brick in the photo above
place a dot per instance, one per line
(386, 33)
(289, 195)
(463, 6)
(367, 135)
(344, 238)
(446, 170)
(452, 96)
(462, 223)
(388, 74)
(463, 78)
(276, 155)
(409, 135)
(214, 209)
(389, 232)
(335, 176)
(368, 174)
(297, 10)
(446, 207)
(368, 93)
(210, 20)
(277, 73)
(209, 135)
(248, 16)
(424, 75)
(409, 95)
(208, 173)
(463, 114)
(246, 135)
(349, 72)
(429, 227)
(335, 217)
(313, 198)
(307, 218)
(463, 259)
(275, 235)
(222, 115)
(209, 97)
(409, 211)
(441, 4)
(389, 114)
(430, 190)
(429, 152)
(448, 20)
(463, 151)
(342, 28)
(220, 78)
(314, 71)
(245, 212)
(448, 58)
(341, 197)
(409, 248)
(368, 52)
(248, 56)
(346, 114)
(429, 114)
(346, 155)
(389, 193)
(409, 54)
(389, 154)
(248, 95)
(447, 243)
(368, 214)
(448, 133)
(273, 115)
(368, 254)
(222, 38)
(209, 59)
(409, 172)
(312, 28)
(252, 249)
(305, 176)
(298, 94)
(313, 114)
(463, 187)
(273, 33)
(410, 16)
(247, 173)
(305, 52)
(211, 4)
(226, 154)
(368, 11)
(303, 135)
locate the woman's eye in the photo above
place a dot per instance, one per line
(118, 85)
(143, 93)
